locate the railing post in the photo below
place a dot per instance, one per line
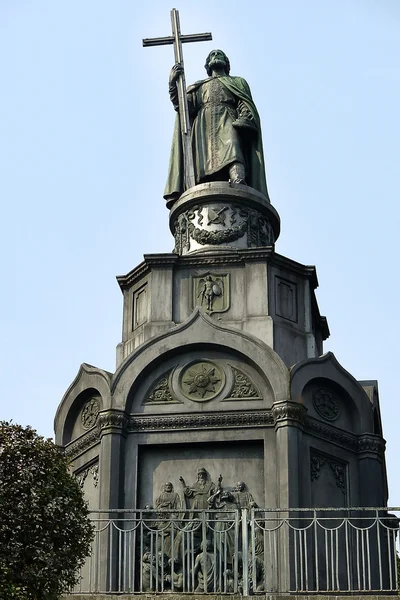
(245, 553)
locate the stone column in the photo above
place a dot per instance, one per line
(112, 425)
(289, 418)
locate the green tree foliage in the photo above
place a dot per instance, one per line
(45, 532)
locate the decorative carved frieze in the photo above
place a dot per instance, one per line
(83, 443)
(243, 387)
(332, 434)
(233, 221)
(292, 412)
(201, 421)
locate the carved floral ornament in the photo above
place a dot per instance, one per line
(91, 472)
(338, 469)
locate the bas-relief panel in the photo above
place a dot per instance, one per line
(236, 462)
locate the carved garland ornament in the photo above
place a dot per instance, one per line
(203, 236)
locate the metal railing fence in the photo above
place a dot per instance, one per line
(324, 550)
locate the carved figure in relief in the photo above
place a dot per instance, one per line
(148, 572)
(225, 134)
(206, 569)
(224, 526)
(242, 497)
(175, 574)
(257, 566)
(209, 289)
(198, 494)
(168, 499)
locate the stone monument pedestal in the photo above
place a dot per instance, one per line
(222, 215)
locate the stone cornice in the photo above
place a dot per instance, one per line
(366, 443)
(83, 443)
(214, 257)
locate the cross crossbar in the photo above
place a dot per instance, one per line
(164, 41)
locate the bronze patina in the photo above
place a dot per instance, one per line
(226, 138)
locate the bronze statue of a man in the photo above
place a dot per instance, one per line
(226, 132)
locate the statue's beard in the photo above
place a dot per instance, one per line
(217, 62)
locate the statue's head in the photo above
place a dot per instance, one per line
(217, 57)
(201, 474)
(240, 486)
(168, 487)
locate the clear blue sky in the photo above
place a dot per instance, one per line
(85, 133)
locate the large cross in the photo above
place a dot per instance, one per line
(177, 39)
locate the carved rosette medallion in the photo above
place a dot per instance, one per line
(326, 404)
(201, 381)
(89, 413)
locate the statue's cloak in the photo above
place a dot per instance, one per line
(251, 141)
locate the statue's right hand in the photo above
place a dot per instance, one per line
(175, 73)
(182, 480)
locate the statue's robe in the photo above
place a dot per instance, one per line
(216, 144)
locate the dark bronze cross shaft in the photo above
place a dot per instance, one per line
(177, 39)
